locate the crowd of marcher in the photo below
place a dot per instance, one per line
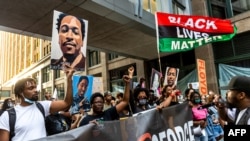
(209, 112)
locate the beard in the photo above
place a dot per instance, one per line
(34, 98)
(230, 105)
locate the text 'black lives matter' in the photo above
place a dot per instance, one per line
(236, 132)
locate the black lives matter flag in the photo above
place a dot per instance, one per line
(176, 33)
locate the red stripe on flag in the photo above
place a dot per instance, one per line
(196, 23)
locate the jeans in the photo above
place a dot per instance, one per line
(201, 137)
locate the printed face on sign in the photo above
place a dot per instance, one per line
(70, 35)
(171, 76)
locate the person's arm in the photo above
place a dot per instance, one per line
(167, 101)
(4, 135)
(125, 100)
(4, 127)
(221, 107)
(62, 105)
(76, 118)
(222, 111)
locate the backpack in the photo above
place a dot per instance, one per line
(54, 123)
(57, 123)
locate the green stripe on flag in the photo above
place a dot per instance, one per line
(185, 44)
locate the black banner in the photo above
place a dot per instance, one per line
(171, 124)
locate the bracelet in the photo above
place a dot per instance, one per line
(172, 95)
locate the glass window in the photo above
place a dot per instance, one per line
(36, 76)
(149, 5)
(240, 6)
(178, 8)
(46, 74)
(57, 73)
(94, 58)
(5, 93)
(116, 81)
(112, 56)
(60, 91)
(227, 9)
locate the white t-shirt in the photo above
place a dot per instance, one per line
(30, 123)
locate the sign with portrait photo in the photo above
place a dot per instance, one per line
(171, 76)
(82, 91)
(69, 42)
(155, 82)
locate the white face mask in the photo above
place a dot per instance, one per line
(142, 101)
(10, 104)
(28, 100)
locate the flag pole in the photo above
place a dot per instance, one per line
(158, 51)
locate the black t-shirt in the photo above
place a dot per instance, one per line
(107, 115)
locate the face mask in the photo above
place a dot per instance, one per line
(197, 101)
(142, 101)
(28, 100)
(10, 104)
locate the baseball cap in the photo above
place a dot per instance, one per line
(238, 83)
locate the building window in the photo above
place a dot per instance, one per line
(94, 58)
(36, 76)
(46, 74)
(227, 9)
(150, 6)
(5, 93)
(116, 82)
(46, 47)
(240, 6)
(60, 91)
(178, 8)
(57, 73)
(112, 56)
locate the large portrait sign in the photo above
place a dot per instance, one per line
(69, 41)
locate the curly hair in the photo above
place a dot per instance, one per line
(20, 85)
(192, 96)
(94, 95)
(60, 18)
(138, 90)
